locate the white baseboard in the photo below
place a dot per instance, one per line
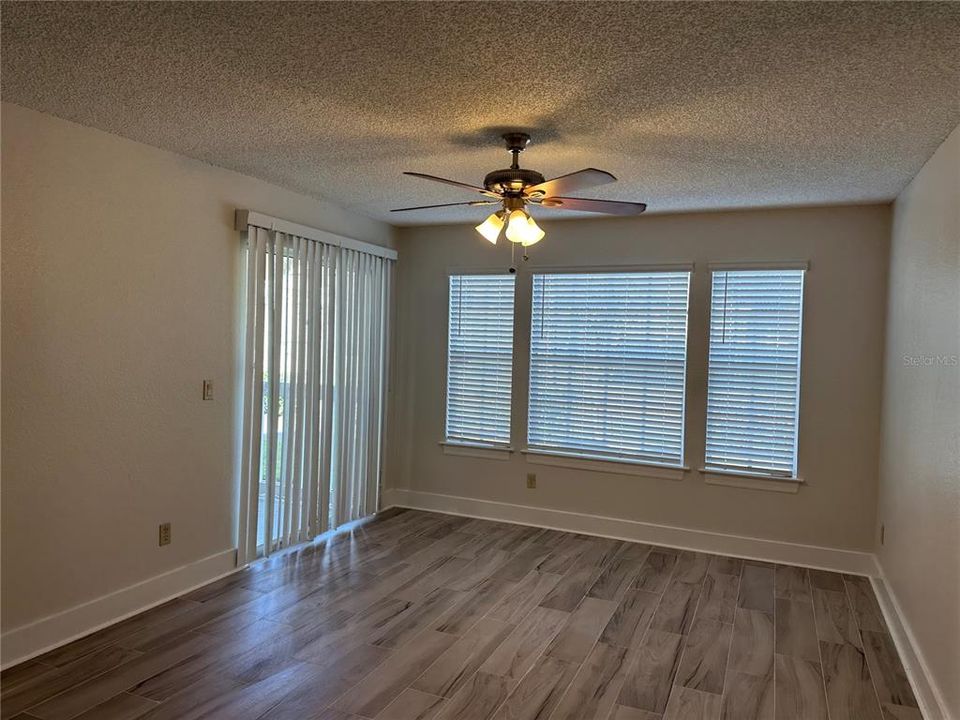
(27, 641)
(848, 561)
(931, 701)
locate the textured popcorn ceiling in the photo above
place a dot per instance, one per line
(693, 106)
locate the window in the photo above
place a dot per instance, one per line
(480, 359)
(608, 365)
(753, 384)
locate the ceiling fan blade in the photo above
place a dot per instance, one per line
(455, 183)
(610, 207)
(572, 182)
(427, 207)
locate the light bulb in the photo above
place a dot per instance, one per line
(518, 229)
(491, 227)
(534, 233)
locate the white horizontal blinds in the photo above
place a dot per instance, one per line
(480, 358)
(608, 364)
(754, 377)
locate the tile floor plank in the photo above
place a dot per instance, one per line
(120, 707)
(688, 704)
(473, 607)
(864, 603)
(37, 688)
(792, 583)
(539, 691)
(723, 565)
(718, 600)
(704, 662)
(826, 580)
(649, 679)
(656, 571)
(461, 660)
(677, 607)
(850, 692)
(382, 686)
(691, 567)
(631, 618)
(748, 697)
(96, 690)
(412, 705)
(624, 712)
(571, 589)
(478, 699)
(756, 588)
(889, 676)
(799, 693)
(751, 649)
(617, 577)
(518, 652)
(795, 630)
(526, 595)
(834, 618)
(595, 688)
(583, 627)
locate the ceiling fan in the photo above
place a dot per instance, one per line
(516, 189)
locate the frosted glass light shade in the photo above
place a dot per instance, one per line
(491, 227)
(534, 233)
(518, 229)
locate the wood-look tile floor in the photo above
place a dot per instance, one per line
(418, 615)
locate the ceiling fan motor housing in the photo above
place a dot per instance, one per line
(511, 181)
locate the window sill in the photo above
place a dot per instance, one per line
(751, 481)
(620, 466)
(465, 449)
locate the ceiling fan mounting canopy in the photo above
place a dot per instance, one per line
(513, 180)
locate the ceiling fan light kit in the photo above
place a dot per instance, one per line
(516, 189)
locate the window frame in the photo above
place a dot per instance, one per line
(746, 477)
(463, 446)
(598, 462)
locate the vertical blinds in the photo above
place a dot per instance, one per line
(608, 364)
(754, 376)
(314, 383)
(480, 358)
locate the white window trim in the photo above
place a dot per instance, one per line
(760, 265)
(600, 463)
(612, 464)
(751, 481)
(601, 269)
(745, 478)
(468, 449)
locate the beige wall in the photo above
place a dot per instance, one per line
(841, 370)
(120, 267)
(920, 452)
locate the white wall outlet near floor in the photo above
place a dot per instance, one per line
(532, 481)
(166, 535)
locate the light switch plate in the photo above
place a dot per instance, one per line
(208, 389)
